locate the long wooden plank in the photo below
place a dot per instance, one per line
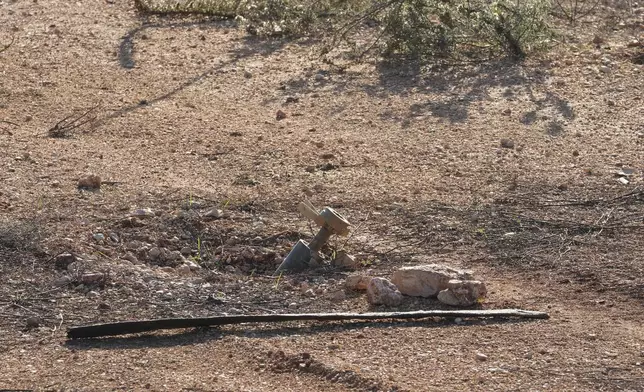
(128, 327)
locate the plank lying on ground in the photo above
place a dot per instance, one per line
(126, 327)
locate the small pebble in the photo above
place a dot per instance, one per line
(33, 322)
(507, 143)
(481, 357)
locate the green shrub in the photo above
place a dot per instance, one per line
(423, 29)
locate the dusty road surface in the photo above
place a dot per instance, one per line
(530, 175)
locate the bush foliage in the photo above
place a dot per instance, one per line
(422, 29)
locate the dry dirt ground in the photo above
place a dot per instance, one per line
(186, 122)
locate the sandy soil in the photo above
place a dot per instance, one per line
(186, 122)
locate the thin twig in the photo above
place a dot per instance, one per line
(9, 122)
(69, 123)
(13, 38)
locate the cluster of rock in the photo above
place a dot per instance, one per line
(449, 285)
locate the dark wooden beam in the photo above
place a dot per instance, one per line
(127, 327)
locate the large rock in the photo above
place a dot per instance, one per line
(381, 291)
(426, 280)
(463, 293)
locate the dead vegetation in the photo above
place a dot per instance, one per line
(65, 128)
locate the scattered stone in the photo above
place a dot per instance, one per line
(74, 267)
(99, 237)
(248, 74)
(598, 40)
(338, 296)
(280, 115)
(186, 251)
(381, 291)
(143, 212)
(344, 260)
(183, 270)
(92, 278)
(481, 357)
(292, 99)
(92, 294)
(624, 172)
(309, 293)
(63, 260)
(357, 282)
(507, 143)
(604, 69)
(167, 270)
(192, 264)
(507, 112)
(304, 287)
(232, 241)
(55, 184)
(62, 281)
(132, 258)
(104, 306)
(175, 255)
(33, 322)
(463, 293)
(214, 214)
(623, 180)
(426, 280)
(154, 253)
(292, 305)
(90, 183)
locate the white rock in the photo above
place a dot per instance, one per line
(357, 282)
(193, 266)
(463, 293)
(214, 213)
(344, 260)
(381, 291)
(93, 294)
(132, 259)
(183, 270)
(481, 357)
(92, 278)
(426, 280)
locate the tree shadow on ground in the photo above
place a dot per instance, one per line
(251, 46)
(592, 239)
(451, 92)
